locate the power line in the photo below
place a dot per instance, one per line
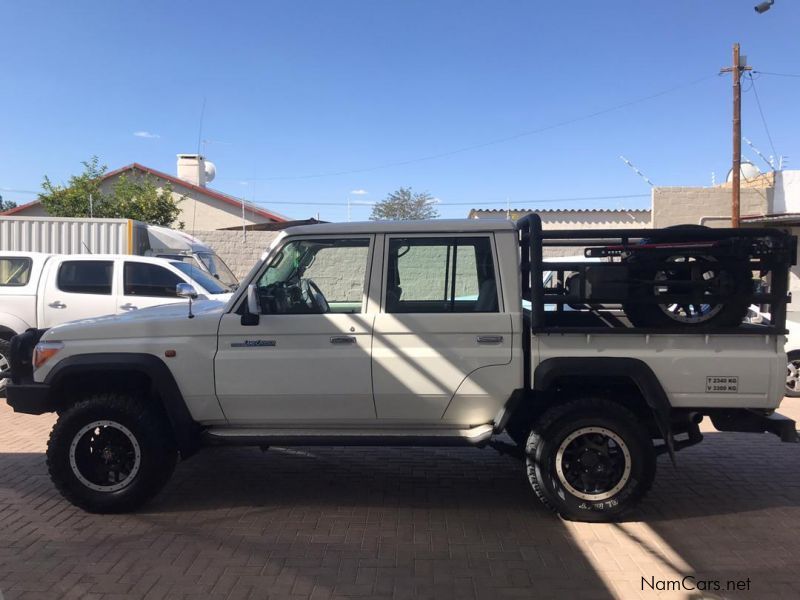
(763, 119)
(796, 75)
(2, 189)
(504, 203)
(493, 142)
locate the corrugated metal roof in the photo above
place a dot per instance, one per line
(560, 210)
(781, 218)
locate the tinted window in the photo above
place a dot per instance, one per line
(144, 279)
(85, 276)
(440, 275)
(15, 271)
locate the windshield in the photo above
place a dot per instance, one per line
(211, 284)
(217, 267)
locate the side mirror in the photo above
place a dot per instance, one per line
(186, 290)
(251, 316)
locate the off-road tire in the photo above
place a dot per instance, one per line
(556, 425)
(731, 314)
(792, 357)
(5, 355)
(148, 424)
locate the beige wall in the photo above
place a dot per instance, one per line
(239, 254)
(575, 219)
(711, 206)
(199, 212)
(596, 219)
(37, 210)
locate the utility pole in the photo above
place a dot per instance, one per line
(739, 65)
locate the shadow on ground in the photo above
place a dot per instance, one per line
(402, 523)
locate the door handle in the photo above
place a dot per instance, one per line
(489, 339)
(57, 304)
(129, 306)
(343, 339)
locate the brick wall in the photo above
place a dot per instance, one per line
(680, 205)
(238, 252)
(340, 273)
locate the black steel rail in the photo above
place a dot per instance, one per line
(768, 251)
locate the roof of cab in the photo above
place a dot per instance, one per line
(427, 226)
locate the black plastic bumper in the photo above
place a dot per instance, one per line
(749, 421)
(29, 398)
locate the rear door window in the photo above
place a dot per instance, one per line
(440, 275)
(86, 277)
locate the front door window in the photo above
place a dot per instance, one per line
(315, 276)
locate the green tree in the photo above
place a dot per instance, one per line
(137, 198)
(403, 204)
(6, 204)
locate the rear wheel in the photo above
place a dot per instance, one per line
(793, 374)
(111, 453)
(5, 353)
(590, 460)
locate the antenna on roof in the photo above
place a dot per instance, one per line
(637, 171)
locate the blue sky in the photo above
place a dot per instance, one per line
(298, 89)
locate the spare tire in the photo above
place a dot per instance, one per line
(725, 281)
(730, 281)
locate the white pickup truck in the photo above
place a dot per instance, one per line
(45, 290)
(414, 333)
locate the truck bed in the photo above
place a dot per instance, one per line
(731, 369)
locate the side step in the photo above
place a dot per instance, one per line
(474, 436)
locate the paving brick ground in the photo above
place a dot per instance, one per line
(398, 523)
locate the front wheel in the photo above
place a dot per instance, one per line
(111, 453)
(590, 460)
(5, 364)
(793, 374)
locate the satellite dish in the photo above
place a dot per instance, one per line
(210, 169)
(747, 170)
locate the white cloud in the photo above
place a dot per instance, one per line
(359, 192)
(146, 134)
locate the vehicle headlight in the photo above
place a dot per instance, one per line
(44, 351)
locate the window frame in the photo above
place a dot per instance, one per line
(256, 275)
(28, 265)
(111, 292)
(440, 235)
